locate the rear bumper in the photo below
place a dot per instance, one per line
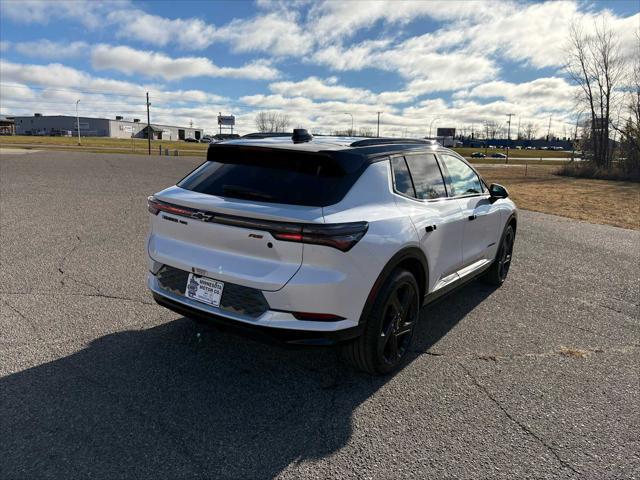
(271, 325)
(259, 332)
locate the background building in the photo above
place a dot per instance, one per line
(7, 125)
(66, 125)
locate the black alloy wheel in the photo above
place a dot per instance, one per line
(386, 340)
(506, 252)
(399, 318)
(497, 273)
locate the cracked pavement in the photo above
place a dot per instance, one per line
(538, 379)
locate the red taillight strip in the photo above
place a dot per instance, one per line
(341, 236)
(154, 206)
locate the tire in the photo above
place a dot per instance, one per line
(497, 273)
(387, 337)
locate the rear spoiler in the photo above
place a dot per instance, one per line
(322, 163)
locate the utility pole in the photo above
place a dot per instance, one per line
(378, 135)
(148, 124)
(549, 129)
(78, 122)
(486, 137)
(508, 136)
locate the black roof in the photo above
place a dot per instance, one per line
(350, 154)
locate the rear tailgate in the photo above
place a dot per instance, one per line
(243, 255)
(248, 184)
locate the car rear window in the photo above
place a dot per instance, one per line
(294, 183)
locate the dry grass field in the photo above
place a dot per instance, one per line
(104, 145)
(535, 187)
(514, 153)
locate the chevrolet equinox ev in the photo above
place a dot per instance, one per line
(326, 240)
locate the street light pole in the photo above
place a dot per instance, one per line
(78, 122)
(378, 134)
(347, 113)
(431, 125)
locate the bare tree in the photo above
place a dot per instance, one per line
(272, 122)
(366, 132)
(629, 125)
(597, 67)
(492, 129)
(530, 130)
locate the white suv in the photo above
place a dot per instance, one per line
(323, 240)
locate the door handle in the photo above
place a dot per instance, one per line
(473, 217)
(431, 228)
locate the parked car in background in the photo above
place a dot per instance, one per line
(325, 240)
(478, 155)
(206, 139)
(218, 137)
(498, 155)
(191, 140)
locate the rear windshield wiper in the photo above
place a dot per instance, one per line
(243, 192)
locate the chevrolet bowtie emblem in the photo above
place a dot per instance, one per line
(205, 217)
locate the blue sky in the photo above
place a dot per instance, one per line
(456, 64)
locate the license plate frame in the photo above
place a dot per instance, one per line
(204, 290)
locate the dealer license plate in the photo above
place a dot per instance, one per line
(205, 290)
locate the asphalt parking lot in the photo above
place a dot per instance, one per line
(538, 379)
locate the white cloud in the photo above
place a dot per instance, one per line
(331, 20)
(426, 70)
(329, 89)
(90, 13)
(275, 33)
(317, 88)
(154, 64)
(191, 34)
(550, 93)
(53, 90)
(52, 50)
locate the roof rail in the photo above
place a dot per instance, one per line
(391, 141)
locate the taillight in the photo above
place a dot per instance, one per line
(342, 236)
(154, 206)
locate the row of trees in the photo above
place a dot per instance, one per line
(609, 94)
(277, 122)
(272, 122)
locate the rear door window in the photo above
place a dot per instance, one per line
(427, 177)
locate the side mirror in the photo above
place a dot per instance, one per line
(497, 191)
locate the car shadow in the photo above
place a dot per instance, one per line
(178, 401)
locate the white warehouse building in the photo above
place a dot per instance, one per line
(66, 125)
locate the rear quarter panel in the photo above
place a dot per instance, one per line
(348, 277)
